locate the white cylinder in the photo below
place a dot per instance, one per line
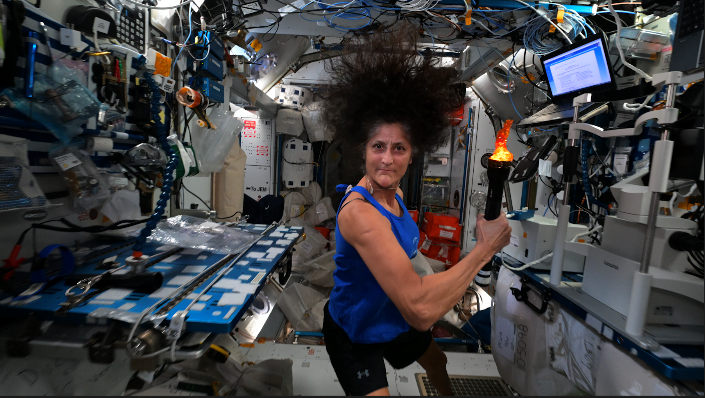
(638, 304)
(99, 144)
(658, 179)
(559, 245)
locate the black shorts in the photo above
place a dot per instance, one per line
(360, 367)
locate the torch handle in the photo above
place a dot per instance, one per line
(497, 174)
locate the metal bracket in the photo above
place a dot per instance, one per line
(18, 346)
(101, 346)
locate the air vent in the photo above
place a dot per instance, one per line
(469, 386)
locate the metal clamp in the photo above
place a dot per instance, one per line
(521, 295)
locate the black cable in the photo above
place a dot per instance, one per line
(223, 218)
(197, 197)
(299, 163)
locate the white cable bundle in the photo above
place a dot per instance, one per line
(417, 5)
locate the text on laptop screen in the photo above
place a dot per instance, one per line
(582, 67)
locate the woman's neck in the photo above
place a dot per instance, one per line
(386, 196)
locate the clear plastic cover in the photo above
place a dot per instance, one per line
(61, 103)
(18, 188)
(198, 233)
(86, 185)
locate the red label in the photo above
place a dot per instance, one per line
(250, 124)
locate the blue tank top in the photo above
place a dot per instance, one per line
(357, 303)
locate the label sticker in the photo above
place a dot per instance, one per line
(504, 338)
(514, 240)
(69, 160)
(101, 25)
(446, 234)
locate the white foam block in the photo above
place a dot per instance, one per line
(203, 257)
(179, 280)
(255, 255)
(292, 236)
(191, 252)
(271, 256)
(232, 299)
(114, 294)
(245, 288)
(275, 250)
(265, 242)
(164, 267)
(171, 258)
(194, 269)
(226, 283)
(198, 307)
(126, 306)
(243, 262)
(284, 242)
(255, 269)
(244, 277)
(162, 292)
(193, 296)
(101, 302)
(276, 235)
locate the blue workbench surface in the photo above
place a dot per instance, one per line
(668, 367)
(218, 310)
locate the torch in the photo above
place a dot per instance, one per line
(498, 168)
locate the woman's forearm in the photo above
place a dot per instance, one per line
(438, 293)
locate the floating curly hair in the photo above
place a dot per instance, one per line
(382, 79)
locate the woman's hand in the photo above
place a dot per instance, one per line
(492, 235)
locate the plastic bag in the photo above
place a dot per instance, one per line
(213, 145)
(86, 185)
(18, 188)
(303, 307)
(319, 271)
(60, 103)
(321, 211)
(197, 233)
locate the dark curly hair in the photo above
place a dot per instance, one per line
(382, 79)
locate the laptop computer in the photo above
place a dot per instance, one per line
(582, 67)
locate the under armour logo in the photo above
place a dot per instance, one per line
(366, 373)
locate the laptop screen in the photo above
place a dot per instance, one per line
(582, 67)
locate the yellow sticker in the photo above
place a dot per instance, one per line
(559, 16)
(256, 45)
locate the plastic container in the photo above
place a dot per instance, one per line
(642, 43)
(213, 145)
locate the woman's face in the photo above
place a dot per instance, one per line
(387, 155)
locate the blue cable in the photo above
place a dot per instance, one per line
(549, 205)
(186, 41)
(168, 173)
(510, 93)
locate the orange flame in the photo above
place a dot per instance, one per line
(501, 153)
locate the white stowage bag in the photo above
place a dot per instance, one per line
(312, 245)
(319, 271)
(271, 377)
(312, 193)
(289, 122)
(519, 343)
(303, 307)
(421, 265)
(319, 212)
(311, 113)
(293, 206)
